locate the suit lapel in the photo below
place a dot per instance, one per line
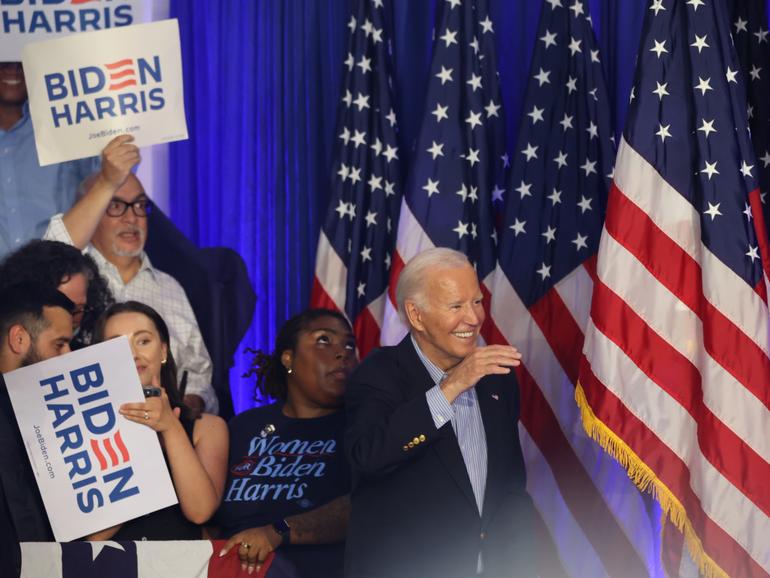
(446, 447)
(489, 405)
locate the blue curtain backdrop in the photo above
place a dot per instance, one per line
(262, 85)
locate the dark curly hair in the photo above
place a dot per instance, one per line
(267, 368)
(48, 264)
(168, 377)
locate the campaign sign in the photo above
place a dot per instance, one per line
(86, 89)
(94, 468)
(23, 21)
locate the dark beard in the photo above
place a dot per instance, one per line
(32, 357)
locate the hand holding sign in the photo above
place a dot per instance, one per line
(93, 468)
(118, 158)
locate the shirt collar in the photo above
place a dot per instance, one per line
(24, 119)
(145, 265)
(436, 373)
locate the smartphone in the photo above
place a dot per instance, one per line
(150, 391)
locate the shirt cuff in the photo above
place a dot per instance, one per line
(206, 392)
(440, 408)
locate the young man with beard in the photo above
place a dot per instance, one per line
(109, 221)
(29, 193)
(35, 325)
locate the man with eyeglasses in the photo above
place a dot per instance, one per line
(109, 221)
(29, 193)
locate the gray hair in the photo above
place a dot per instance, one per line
(411, 281)
(90, 179)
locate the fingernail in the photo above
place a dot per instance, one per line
(221, 552)
(251, 569)
(243, 566)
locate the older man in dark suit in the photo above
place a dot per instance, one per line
(433, 442)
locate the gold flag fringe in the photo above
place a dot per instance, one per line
(646, 480)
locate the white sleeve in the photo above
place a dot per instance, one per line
(190, 351)
(57, 231)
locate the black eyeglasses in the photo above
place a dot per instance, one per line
(140, 207)
(81, 310)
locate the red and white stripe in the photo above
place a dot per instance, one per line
(411, 239)
(329, 290)
(676, 364)
(596, 518)
(331, 276)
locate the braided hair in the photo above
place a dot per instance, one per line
(269, 372)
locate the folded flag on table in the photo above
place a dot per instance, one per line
(146, 559)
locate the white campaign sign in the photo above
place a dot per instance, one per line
(23, 21)
(94, 468)
(86, 89)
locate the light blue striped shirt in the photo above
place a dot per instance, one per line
(465, 417)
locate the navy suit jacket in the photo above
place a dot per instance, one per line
(413, 511)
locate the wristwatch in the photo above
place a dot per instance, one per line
(283, 529)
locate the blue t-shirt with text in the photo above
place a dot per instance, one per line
(281, 466)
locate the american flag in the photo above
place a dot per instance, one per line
(356, 241)
(459, 158)
(142, 559)
(597, 522)
(752, 41)
(675, 369)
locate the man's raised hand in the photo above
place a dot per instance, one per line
(483, 361)
(118, 158)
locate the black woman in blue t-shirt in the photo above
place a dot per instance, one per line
(288, 480)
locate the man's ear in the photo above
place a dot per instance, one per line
(287, 358)
(19, 340)
(413, 315)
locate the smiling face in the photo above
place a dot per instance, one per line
(320, 364)
(13, 89)
(447, 321)
(146, 345)
(123, 236)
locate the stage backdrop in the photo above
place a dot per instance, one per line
(262, 85)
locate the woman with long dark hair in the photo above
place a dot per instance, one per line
(195, 446)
